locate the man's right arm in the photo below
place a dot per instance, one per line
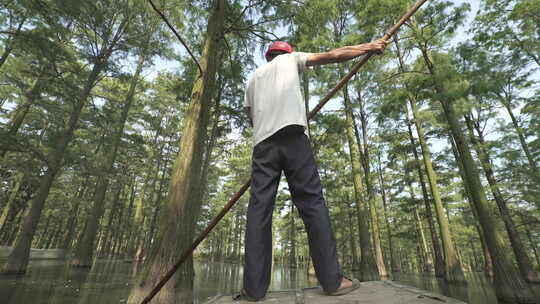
(345, 53)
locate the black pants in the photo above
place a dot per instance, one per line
(287, 150)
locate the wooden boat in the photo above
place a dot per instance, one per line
(372, 292)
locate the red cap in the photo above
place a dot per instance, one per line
(279, 46)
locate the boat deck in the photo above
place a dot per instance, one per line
(372, 292)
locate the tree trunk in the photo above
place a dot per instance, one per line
(428, 264)
(9, 206)
(395, 267)
(209, 148)
(19, 114)
(422, 245)
(453, 272)
(150, 237)
(178, 217)
(72, 222)
(110, 229)
(292, 255)
(534, 170)
(131, 243)
(125, 229)
(85, 250)
(439, 260)
(532, 242)
(368, 266)
(19, 256)
(116, 237)
(9, 46)
(354, 253)
(376, 233)
(452, 265)
(488, 265)
(38, 242)
(524, 263)
(509, 286)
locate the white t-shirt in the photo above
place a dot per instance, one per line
(274, 96)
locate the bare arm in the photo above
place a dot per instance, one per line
(346, 53)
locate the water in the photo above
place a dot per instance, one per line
(478, 290)
(109, 281)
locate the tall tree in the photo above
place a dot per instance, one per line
(178, 216)
(368, 265)
(112, 33)
(365, 157)
(452, 265)
(525, 266)
(84, 253)
(509, 285)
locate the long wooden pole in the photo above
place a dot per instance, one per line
(243, 189)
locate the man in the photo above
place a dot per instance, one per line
(276, 109)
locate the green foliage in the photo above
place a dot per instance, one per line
(486, 77)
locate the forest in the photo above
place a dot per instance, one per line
(122, 139)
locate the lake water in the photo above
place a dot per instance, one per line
(109, 281)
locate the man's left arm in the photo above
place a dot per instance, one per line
(345, 53)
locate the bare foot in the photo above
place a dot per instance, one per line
(345, 283)
(346, 286)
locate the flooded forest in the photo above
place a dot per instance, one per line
(123, 135)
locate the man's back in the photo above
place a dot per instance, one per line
(274, 96)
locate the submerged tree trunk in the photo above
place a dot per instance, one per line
(178, 216)
(509, 285)
(368, 265)
(524, 263)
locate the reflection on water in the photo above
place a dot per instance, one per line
(53, 281)
(213, 278)
(109, 281)
(478, 289)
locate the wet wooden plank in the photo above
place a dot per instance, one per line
(373, 292)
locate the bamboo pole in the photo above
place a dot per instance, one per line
(243, 189)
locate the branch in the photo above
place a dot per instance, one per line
(250, 5)
(177, 35)
(255, 32)
(251, 26)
